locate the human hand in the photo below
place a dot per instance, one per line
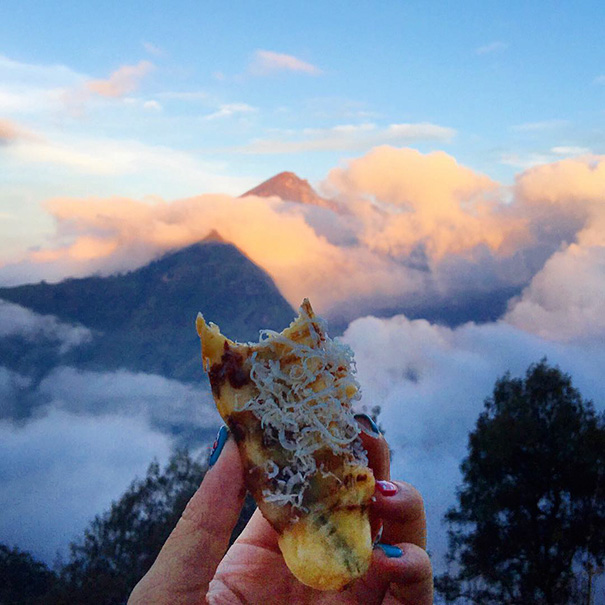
(193, 568)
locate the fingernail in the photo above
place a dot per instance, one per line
(368, 426)
(218, 445)
(392, 552)
(386, 488)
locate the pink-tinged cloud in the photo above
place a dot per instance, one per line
(123, 81)
(413, 199)
(412, 229)
(571, 181)
(10, 132)
(566, 298)
(266, 62)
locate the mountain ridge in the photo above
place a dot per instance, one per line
(143, 320)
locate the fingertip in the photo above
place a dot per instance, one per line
(408, 569)
(379, 458)
(218, 445)
(402, 513)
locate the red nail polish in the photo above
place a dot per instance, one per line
(386, 488)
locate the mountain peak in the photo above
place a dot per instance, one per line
(214, 236)
(290, 187)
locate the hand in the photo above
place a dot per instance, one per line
(192, 567)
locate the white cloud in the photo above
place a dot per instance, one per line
(266, 62)
(16, 320)
(350, 137)
(34, 90)
(525, 160)
(492, 47)
(153, 105)
(161, 402)
(431, 381)
(153, 49)
(570, 150)
(60, 470)
(540, 126)
(84, 155)
(231, 109)
(566, 299)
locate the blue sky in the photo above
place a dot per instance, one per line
(231, 93)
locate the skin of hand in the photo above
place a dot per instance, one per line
(194, 565)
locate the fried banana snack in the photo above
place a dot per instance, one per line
(287, 401)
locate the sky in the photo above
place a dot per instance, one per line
(172, 100)
(463, 148)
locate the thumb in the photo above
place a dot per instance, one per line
(190, 556)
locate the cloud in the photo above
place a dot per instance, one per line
(153, 49)
(158, 166)
(570, 182)
(17, 320)
(122, 81)
(600, 79)
(153, 105)
(28, 89)
(431, 381)
(11, 133)
(566, 299)
(231, 109)
(571, 150)
(12, 385)
(449, 214)
(164, 404)
(350, 137)
(267, 62)
(415, 232)
(62, 469)
(540, 126)
(492, 47)
(414, 229)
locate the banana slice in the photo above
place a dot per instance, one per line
(287, 400)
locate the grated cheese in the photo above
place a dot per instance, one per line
(304, 400)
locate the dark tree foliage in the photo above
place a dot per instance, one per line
(23, 580)
(119, 546)
(531, 508)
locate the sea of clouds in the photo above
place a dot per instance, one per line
(412, 229)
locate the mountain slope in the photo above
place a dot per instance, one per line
(144, 320)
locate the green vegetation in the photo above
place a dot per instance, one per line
(531, 508)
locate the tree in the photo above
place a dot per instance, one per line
(23, 579)
(531, 507)
(120, 545)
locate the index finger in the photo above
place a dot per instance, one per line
(379, 456)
